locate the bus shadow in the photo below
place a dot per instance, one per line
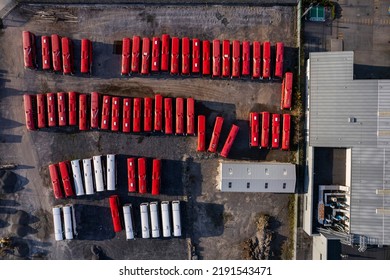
(93, 222)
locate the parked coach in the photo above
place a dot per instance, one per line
(29, 50)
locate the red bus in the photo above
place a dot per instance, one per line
(168, 115)
(131, 177)
(106, 109)
(41, 106)
(29, 50)
(67, 56)
(256, 71)
(226, 58)
(185, 56)
(179, 116)
(72, 107)
(126, 54)
(156, 177)
(165, 52)
(46, 61)
(246, 58)
(287, 91)
(215, 136)
(286, 132)
(216, 58)
(86, 56)
(254, 129)
(145, 69)
(175, 52)
(95, 108)
(137, 114)
(114, 207)
(126, 115)
(266, 60)
(279, 60)
(195, 56)
(156, 46)
(229, 141)
(55, 181)
(148, 114)
(51, 109)
(206, 69)
(135, 54)
(66, 179)
(29, 111)
(158, 112)
(56, 52)
(265, 130)
(236, 56)
(275, 130)
(82, 112)
(142, 175)
(190, 116)
(115, 115)
(201, 147)
(62, 110)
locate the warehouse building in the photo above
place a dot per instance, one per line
(257, 177)
(347, 180)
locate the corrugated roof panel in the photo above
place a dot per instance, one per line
(354, 114)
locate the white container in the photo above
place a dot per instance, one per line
(145, 220)
(129, 221)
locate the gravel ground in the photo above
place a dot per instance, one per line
(215, 223)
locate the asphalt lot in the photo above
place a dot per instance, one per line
(216, 223)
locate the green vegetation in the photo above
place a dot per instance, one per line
(287, 251)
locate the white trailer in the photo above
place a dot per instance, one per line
(88, 179)
(57, 221)
(154, 223)
(111, 173)
(176, 218)
(129, 221)
(69, 221)
(166, 220)
(98, 169)
(145, 220)
(77, 178)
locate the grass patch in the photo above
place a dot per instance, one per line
(287, 250)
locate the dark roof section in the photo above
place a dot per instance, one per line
(334, 249)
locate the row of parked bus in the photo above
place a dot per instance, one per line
(195, 57)
(150, 219)
(64, 221)
(201, 145)
(266, 117)
(57, 54)
(137, 175)
(69, 179)
(110, 112)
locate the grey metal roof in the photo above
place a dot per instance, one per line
(257, 177)
(334, 98)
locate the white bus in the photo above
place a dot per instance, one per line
(111, 173)
(145, 220)
(166, 220)
(98, 168)
(57, 223)
(69, 221)
(176, 218)
(154, 224)
(88, 179)
(129, 221)
(77, 178)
